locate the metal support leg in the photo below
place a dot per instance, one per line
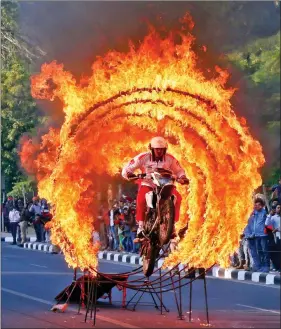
(175, 294)
(180, 298)
(190, 301)
(206, 299)
(95, 300)
(124, 296)
(151, 294)
(161, 304)
(132, 298)
(134, 308)
(156, 294)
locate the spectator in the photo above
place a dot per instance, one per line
(36, 210)
(270, 236)
(95, 233)
(133, 228)
(113, 231)
(121, 231)
(8, 206)
(274, 223)
(14, 217)
(257, 237)
(103, 223)
(25, 218)
(127, 242)
(45, 217)
(243, 253)
(276, 189)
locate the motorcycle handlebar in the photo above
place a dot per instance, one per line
(141, 176)
(138, 176)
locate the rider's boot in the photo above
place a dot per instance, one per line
(140, 234)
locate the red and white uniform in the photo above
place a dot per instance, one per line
(145, 163)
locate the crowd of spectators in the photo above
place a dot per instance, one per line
(116, 227)
(19, 215)
(260, 245)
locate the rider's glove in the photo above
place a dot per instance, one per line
(183, 180)
(131, 175)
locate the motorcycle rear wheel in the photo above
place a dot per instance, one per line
(167, 211)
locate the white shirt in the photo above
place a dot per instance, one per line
(14, 216)
(144, 162)
(275, 222)
(111, 217)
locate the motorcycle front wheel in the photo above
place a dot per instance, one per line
(167, 213)
(149, 254)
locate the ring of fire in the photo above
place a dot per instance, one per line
(157, 90)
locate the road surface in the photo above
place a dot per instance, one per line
(31, 280)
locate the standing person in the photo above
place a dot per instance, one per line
(127, 241)
(36, 210)
(243, 253)
(8, 206)
(270, 235)
(44, 218)
(121, 235)
(275, 223)
(257, 237)
(20, 207)
(25, 218)
(133, 229)
(103, 221)
(276, 191)
(112, 228)
(14, 217)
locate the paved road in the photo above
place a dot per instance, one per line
(31, 280)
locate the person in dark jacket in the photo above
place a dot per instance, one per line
(25, 218)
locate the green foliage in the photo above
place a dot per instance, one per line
(13, 43)
(260, 62)
(18, 110)
(22, 188)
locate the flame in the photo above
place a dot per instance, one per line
(110, 116)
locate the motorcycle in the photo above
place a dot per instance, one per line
(160, 217)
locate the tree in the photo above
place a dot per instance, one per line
(19, 113)
(260, 62)
(13, 43)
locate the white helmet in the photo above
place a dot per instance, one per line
(158, 143)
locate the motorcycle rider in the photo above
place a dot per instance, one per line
(147, 162)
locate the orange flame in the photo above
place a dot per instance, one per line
(155, 89)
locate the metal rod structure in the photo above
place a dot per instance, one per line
(206, 299)
(166, 309)
(190, 302)
(161, 306)
(175, 294)
(146, 286)
(180, 298)
(95, 298)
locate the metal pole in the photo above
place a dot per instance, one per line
(161, 306)
(176, 298)
(206, 300)
(190, 301)
(95, 299)
(180, 308)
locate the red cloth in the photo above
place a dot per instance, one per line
(141, 203)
